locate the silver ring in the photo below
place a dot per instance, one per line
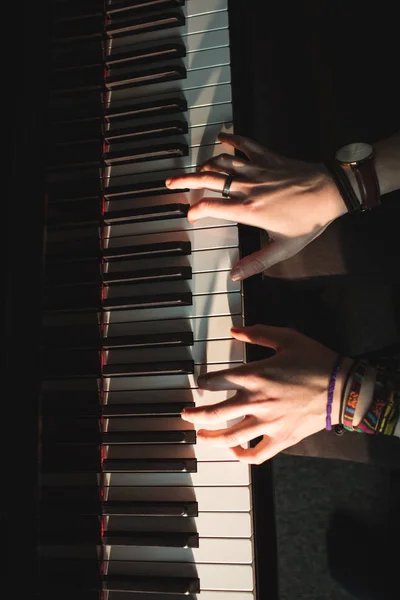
(227, 186)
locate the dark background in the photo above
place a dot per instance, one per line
(315, 76)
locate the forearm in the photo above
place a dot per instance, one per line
(387, 164)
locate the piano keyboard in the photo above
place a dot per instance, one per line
(138, 303)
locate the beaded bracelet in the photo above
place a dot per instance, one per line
(352, 398)
(331, 389)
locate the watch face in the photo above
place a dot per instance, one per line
(353, 153)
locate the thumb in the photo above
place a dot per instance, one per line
(274, 252)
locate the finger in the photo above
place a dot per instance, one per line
(249, 147)
(231, 209)
(229, 379)
(202, 181)
(226, 163)
(238, 406)
(275, 252)
(262, 335)
(266, 449)
(240, 433)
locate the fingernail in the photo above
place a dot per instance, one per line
(236, 273)
(168, 182)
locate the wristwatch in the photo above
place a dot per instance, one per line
(359, 157)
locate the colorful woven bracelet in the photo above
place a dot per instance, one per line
(389, 415)
(380, 399)
(354, 394)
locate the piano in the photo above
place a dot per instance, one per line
(132, 303)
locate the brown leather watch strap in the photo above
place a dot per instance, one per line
(368, 184)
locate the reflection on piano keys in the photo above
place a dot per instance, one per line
(138, 303)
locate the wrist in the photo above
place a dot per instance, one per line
(334, 205)
(339, 390)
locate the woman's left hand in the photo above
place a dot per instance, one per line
(283, 398)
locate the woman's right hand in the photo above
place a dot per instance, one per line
(292, 200)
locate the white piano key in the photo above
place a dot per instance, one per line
(209, 239)
(207, 524)
(212, 576)
(202, 452)
(209, 474)
(195, 79)
(204, 352)
(196, 156)
(206, 261)
(199, 7)
(210, 550)
(209, 499)
(201, 283)
(218, 473)
(210, 595)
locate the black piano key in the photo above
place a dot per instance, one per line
(89, 250)
(123, 23)
(184, 367)
(116, 6)
(75, 155)
(69, 364)
(150, 509)
(120, 112)
(77, 10)
(157, 52)
(71, 575)
(81, 55)
(87, 459)
(161, 409)
(70, 459)
(65, 191)
(144, 538)
(127, 78)
(142, 214)
(84, 297)
(61, 302)
(88, 404)
(140, 190)
(67, 30)
(86, 500)
(71, 403)
(71, 432)
(138, 155)
(142, 132)
(80, 530)
(62, 215)
(85, 272)
(146, 275)
(161, 585)
(74, 132)
(150, 465)
(74, 500)
(88, 338)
